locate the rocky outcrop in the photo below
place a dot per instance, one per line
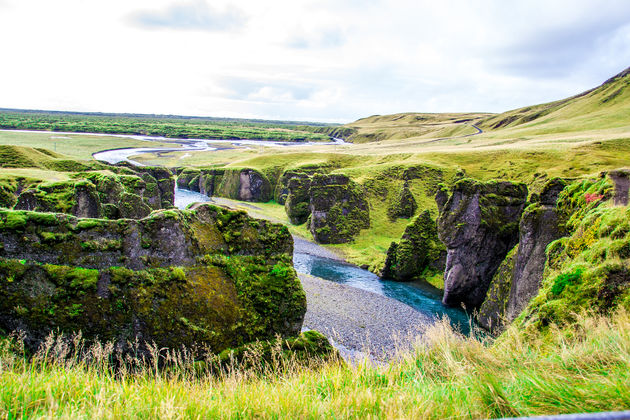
(297, 203)
(338, 209)
(237, 184)
(418, 253)
(281, 190)
(478, 223)
(621, 180)
(208, 277)
(102, 195)
(403, 205)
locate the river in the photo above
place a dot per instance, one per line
(420, 296)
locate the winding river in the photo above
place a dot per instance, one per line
(420, 296)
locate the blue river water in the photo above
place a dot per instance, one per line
(420, 296)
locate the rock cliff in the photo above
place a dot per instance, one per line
(208, 277)
(237, 184)
(418, 251)
(103, 194)
(478, 223)
(338, 209)
(518, 280)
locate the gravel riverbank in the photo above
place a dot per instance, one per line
(363, 323)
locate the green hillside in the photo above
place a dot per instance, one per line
(606, 106)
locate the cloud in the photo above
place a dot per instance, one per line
(196, 15)
(324, 38)
(558, 49)
(245, 89)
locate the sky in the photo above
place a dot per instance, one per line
(307, 60)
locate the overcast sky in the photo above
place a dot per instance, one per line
(317, 60)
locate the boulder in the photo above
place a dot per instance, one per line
(208, 277)
(479, 225)
(419, 250)
(338, 209)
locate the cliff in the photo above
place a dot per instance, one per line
(208, 277)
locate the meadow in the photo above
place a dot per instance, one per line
(583, 367)
(154, 125)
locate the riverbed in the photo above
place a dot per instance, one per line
(363, 310)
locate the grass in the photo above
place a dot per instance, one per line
(155, 125)
(74, 146)
(584, 367)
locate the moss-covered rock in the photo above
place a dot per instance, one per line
(338, 209)
(491, 314)
(590, 268)
(98, 194)
(403, 205)
(209, 277)
(298, 198)
(236, 184)
(479, 225)
(510, 292)
(419, 253)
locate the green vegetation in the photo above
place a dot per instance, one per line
(582, 368)
(151, 125)
(567, 352)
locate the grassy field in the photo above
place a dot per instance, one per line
(581, 368)
(160, 125)
(74, 146)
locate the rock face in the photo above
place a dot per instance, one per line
(237, 184)
(338, 209)
(478, 223)
(98, 195)
(297, 203)
(419, 250)
(519, 278)
(621, 180)
(404, 204)
(208, 277)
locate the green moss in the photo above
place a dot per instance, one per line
(493, 309)
(589, 269)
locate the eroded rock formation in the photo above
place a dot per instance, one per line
(338, 209)
(478, 223)
(209, 277)
(237, 184)
(101, 195)
(518, 280)
(418, 250)
(404, 204)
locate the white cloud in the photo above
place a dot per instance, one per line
(314, 60)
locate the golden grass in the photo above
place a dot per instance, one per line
(584, 367)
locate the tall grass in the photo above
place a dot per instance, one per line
(580, 368)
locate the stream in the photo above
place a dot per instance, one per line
(419, 295)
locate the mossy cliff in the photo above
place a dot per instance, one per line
(102, 194)
(419, 254)
(589, 269)
(298, 198)
(209, 277)
(404, 204)
(237, 184)
(478, 223)
(518, 279)
(338, 209)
